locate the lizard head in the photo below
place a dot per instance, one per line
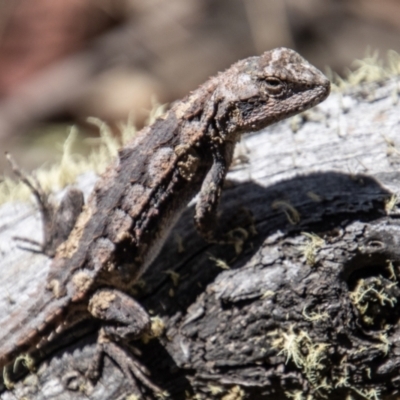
(259, 91)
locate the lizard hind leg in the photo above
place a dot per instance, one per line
(124, 320)
(57, 221)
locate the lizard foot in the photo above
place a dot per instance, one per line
(132, 368)
(124, 320)
(58, 221)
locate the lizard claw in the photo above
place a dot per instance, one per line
(131, 367)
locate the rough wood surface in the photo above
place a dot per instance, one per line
(277, 324)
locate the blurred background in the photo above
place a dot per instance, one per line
(62, 61)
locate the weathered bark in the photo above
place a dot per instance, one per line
(293, 316)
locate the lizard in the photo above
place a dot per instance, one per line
(108, 243)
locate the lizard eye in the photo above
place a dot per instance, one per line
(274, 85)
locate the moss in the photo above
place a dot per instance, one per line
(371, 68)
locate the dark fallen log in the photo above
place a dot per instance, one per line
(303, 307)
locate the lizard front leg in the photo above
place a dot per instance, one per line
(125, 320)
(210, 193)
(206, 218)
